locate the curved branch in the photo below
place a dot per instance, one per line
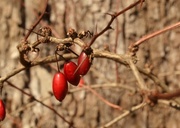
(140, 41)
(122, 59)
(113, 16)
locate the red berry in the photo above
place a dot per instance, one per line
(83, 63)
(71, 74)
(59, 86)
(2, 110)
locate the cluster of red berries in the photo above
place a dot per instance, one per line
(2, 110)
(72, 74)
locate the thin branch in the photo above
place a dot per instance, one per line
(39, 101)
(177, 72)
(28, 105)
(124, 114)
(37, 22)
(113, 16)
(103, 99)
(169, 103)
(115, 48)
(140, 41)
(106, 85)
(141, 3)
(122, 59)
(138, 76)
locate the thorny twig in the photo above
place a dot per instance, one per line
(113, 16)
(99, 54)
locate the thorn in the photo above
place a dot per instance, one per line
(110, 28)
(112, 15)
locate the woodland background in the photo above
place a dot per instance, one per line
(160, 54)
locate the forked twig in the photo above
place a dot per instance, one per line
(124, 114)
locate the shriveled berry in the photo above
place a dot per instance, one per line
(2, 110)
(71, 74)
(59, 86)
(83, 64)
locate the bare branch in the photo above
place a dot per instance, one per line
(113, 16)
(140, 80)
(37, 22)
(140, 41)
(33, 98)
(103, 99)
(122, 59)
(124, 114)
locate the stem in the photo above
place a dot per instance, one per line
(57, 63)
(37, 22)
(113, 16)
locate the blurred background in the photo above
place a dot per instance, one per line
(81, 107)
